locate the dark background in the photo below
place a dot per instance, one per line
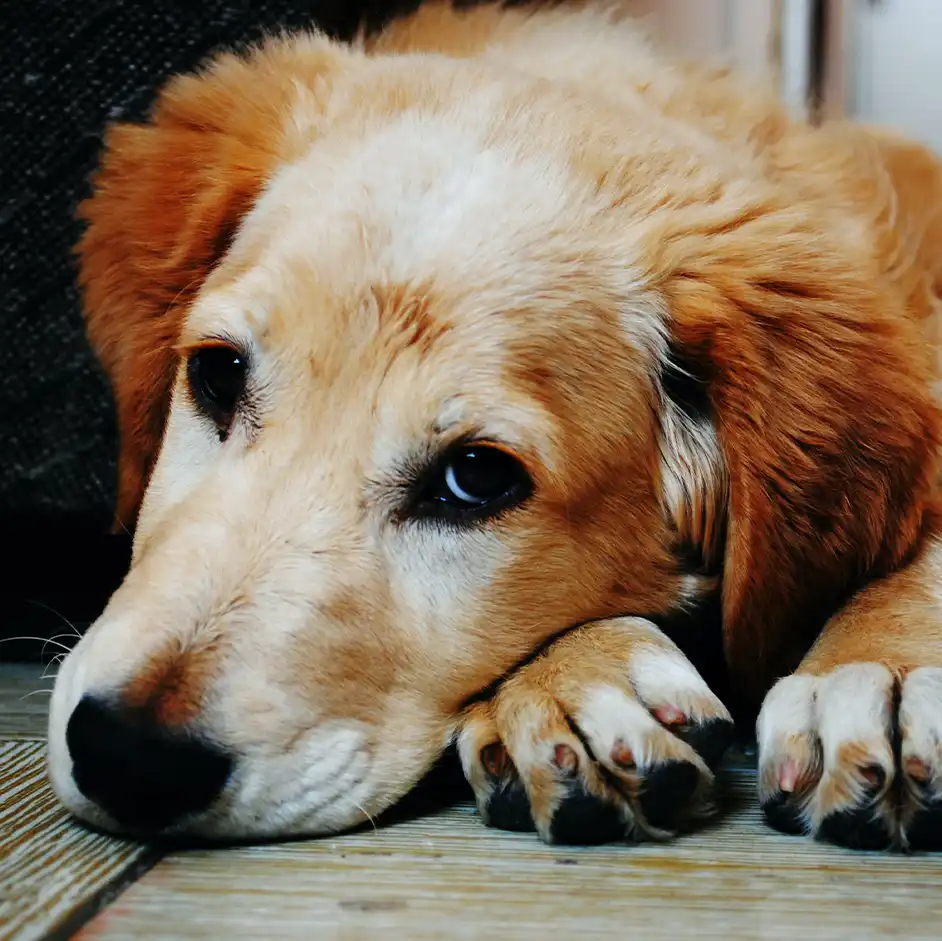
(70, 67)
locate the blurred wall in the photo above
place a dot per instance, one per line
(894, 56)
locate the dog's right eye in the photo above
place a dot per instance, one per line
(472, 483)
(216, 376)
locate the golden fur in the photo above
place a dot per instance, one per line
(519, 226)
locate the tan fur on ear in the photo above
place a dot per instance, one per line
(168, 199)
(818, 376)
(915, 174)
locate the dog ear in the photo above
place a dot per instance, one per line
(817, 389)
(167, 200)
(694, 480)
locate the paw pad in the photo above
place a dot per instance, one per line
(566, 760)
(918, 770)
(508, 807)
(857, 829)
(622, 755)
(875, 776)
(495, 759)
(783, 814)
(669, 715)
(667, 788)
(788, 776)
(582, 819)
(709, 739)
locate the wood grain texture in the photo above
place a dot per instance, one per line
(446, 876)
(51, 870)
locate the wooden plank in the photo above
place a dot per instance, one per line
(446, 876)
(53, 873)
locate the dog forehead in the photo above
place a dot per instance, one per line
(418, 199)
(421, 220)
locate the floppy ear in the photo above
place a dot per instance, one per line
(818, 386)
(167, 200)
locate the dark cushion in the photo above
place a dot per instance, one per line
(70, 66)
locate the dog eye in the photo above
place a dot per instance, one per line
(216, 376)
(475, 482)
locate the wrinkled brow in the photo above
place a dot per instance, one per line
(410, 317)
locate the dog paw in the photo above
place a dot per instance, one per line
(609, 734)
(855, 756)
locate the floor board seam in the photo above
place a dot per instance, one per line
(99, 900)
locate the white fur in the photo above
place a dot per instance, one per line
(854, 704)
(665, 677)
(920, 721)
(608, 714)
(788, 712)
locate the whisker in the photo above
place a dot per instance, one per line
(65, 634)
(48, 692)
(54, 639)
(56, 661)
(39, 640)
(367, 815)
(58, 614)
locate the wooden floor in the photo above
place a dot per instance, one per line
(439, 876)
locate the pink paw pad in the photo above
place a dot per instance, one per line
(669, 715)
(788, 776)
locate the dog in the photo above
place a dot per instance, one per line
(454, 366)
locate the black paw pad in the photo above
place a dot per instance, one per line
(709, 739)
(856, 829)
(925, 831)
(508, 807)
(583, 819)
(782, 812)
(665, 792)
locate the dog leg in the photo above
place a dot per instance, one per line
(850, 746)
(609, 733)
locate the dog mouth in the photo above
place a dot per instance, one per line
(119, 775)
(120, 771)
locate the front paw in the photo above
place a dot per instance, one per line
(609, 734)
(855, 756)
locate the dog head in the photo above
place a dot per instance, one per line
(418, 364)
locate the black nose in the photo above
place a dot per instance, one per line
(143, 775)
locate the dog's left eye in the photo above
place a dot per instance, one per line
(475, 482)
(216, 377)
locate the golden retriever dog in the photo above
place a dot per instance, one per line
(455, 368)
